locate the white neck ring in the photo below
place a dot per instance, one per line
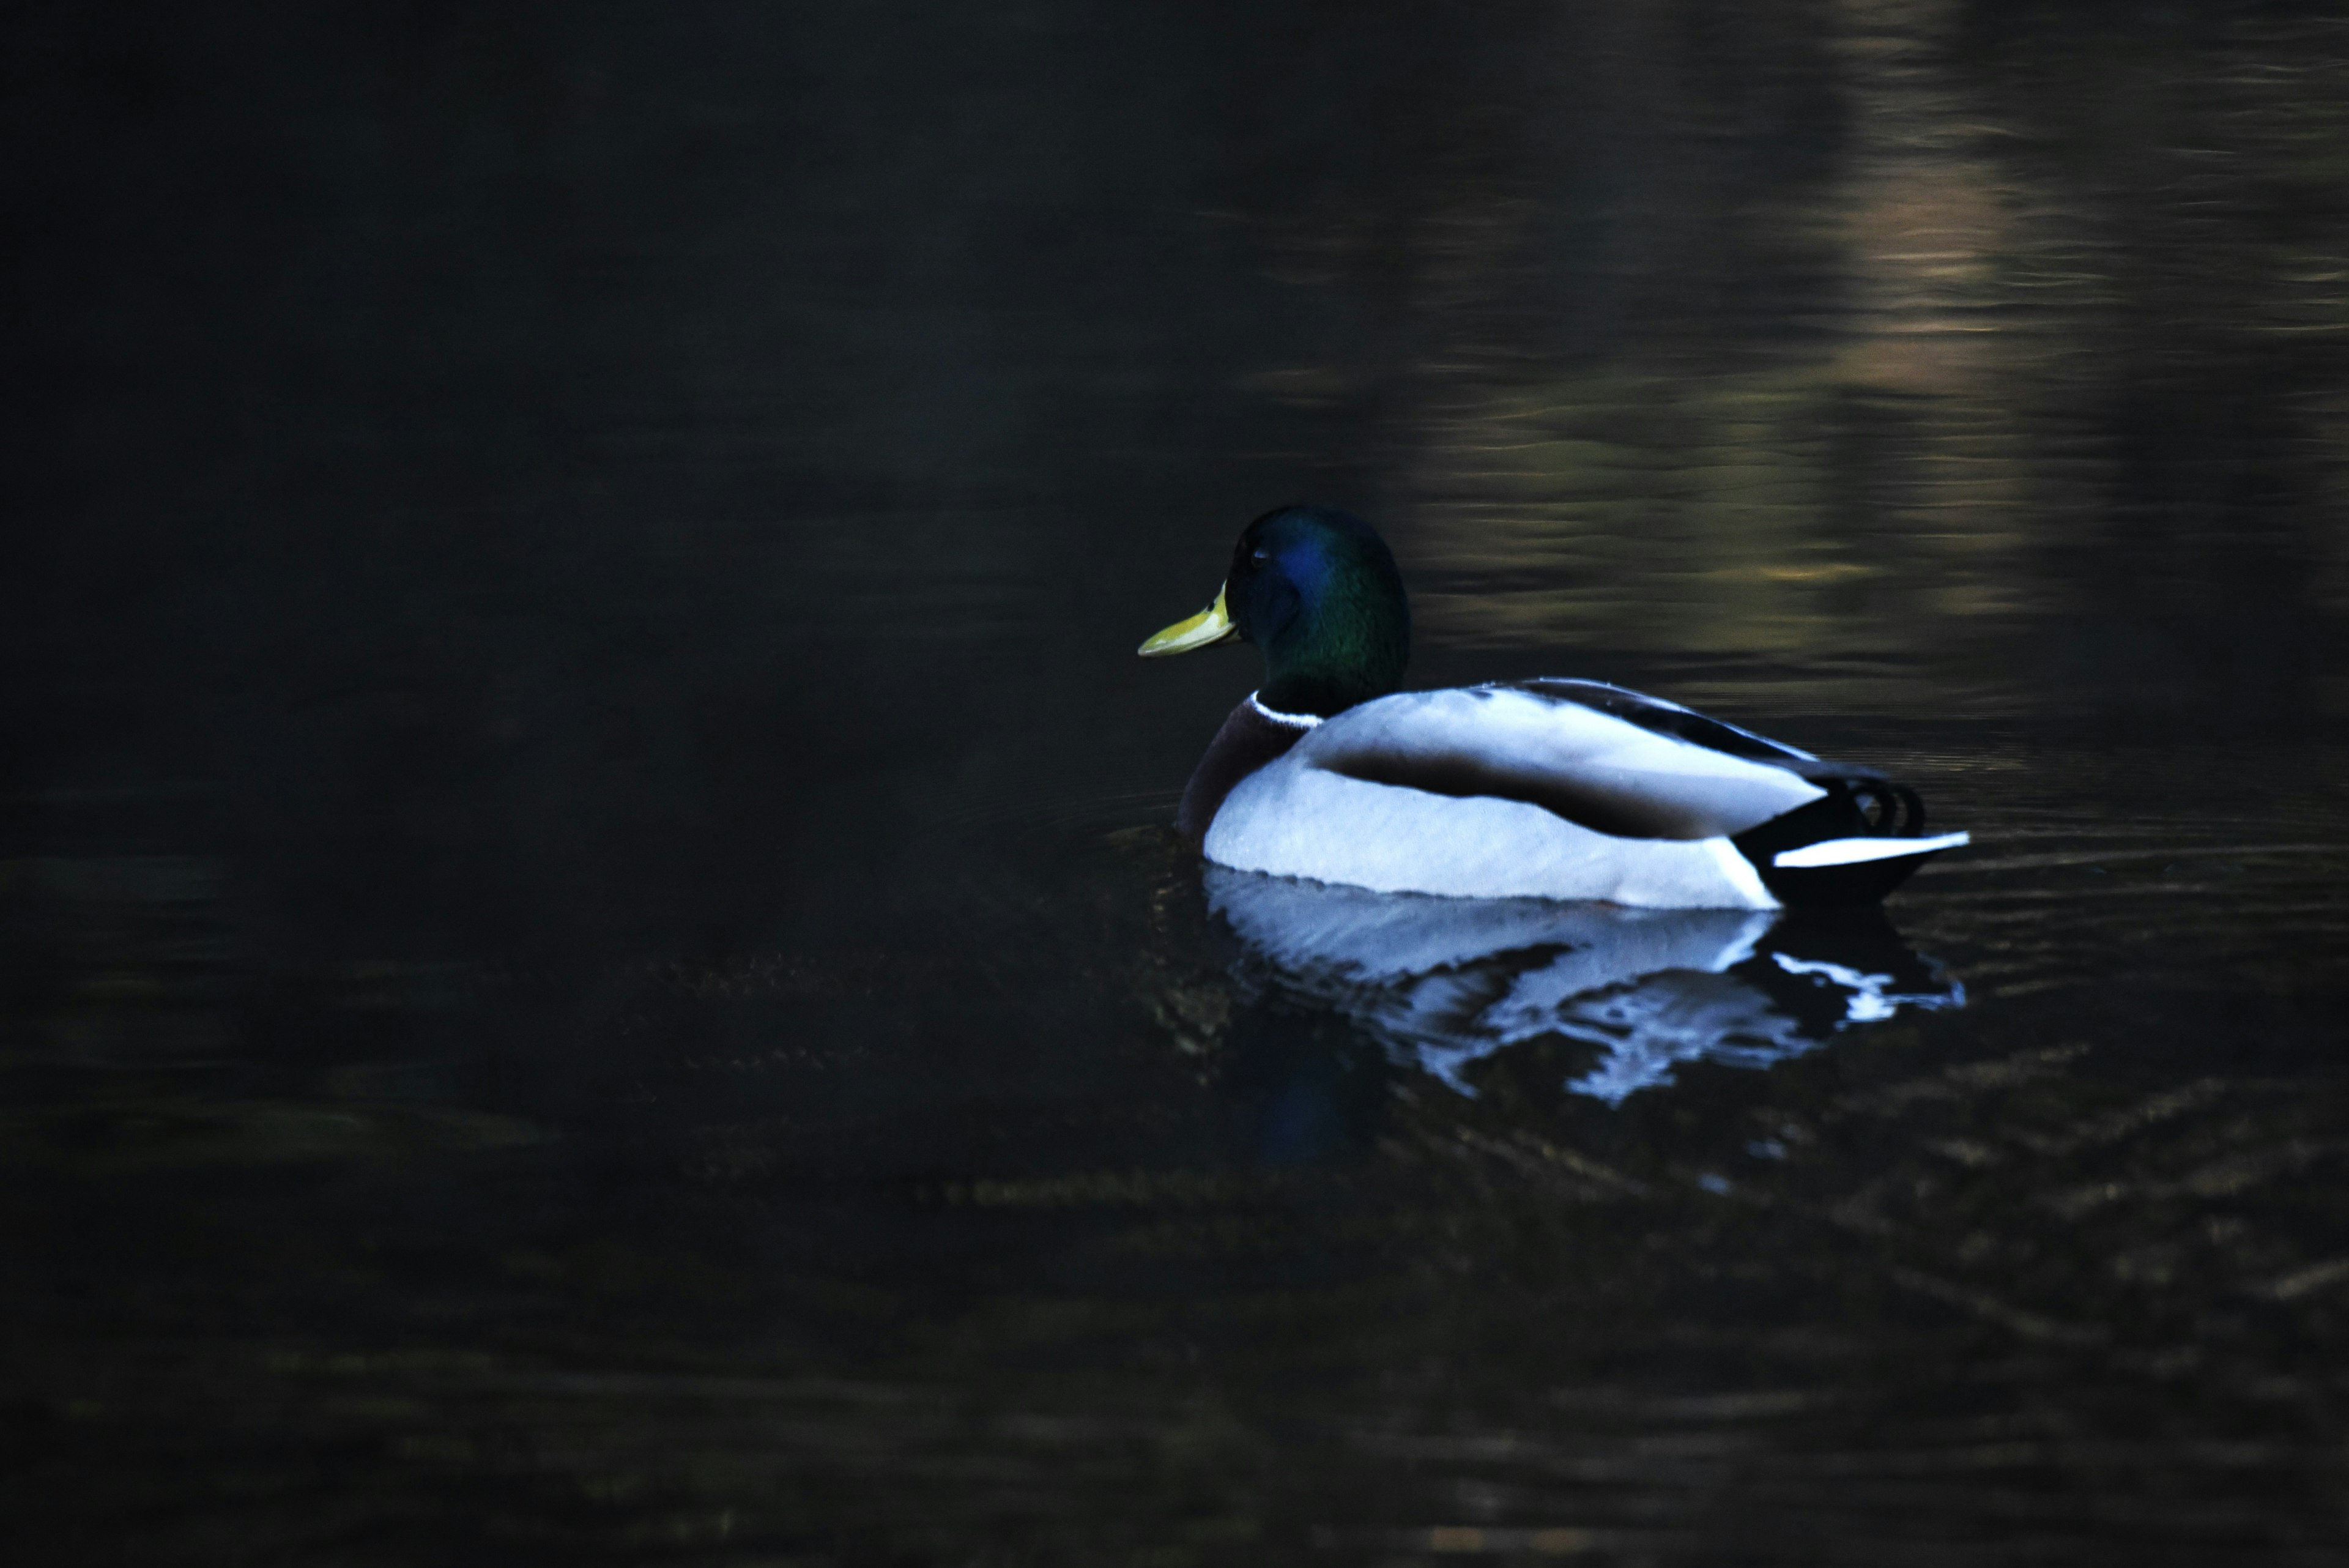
(1294, 721)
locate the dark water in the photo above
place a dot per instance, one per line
(596, 966)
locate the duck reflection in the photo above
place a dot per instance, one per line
(1445, 981)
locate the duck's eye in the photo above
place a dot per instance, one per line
(1260, 555)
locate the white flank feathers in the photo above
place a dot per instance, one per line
(1303, 821)
(1298, 816)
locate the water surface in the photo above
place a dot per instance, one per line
(597, 967)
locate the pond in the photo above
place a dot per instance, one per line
(597, 962)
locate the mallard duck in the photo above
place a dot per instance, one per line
(1550, 788)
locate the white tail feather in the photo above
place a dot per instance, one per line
(1852, 851)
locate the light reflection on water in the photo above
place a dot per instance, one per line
(1448, 981)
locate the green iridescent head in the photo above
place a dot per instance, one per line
(1317, 591)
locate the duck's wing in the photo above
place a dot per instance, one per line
(1596, 755)
(1670, 718)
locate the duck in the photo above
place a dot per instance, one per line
(1553, 787)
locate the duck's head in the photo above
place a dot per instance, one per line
(1317, 591)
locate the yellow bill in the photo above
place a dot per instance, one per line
(1209, 626)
